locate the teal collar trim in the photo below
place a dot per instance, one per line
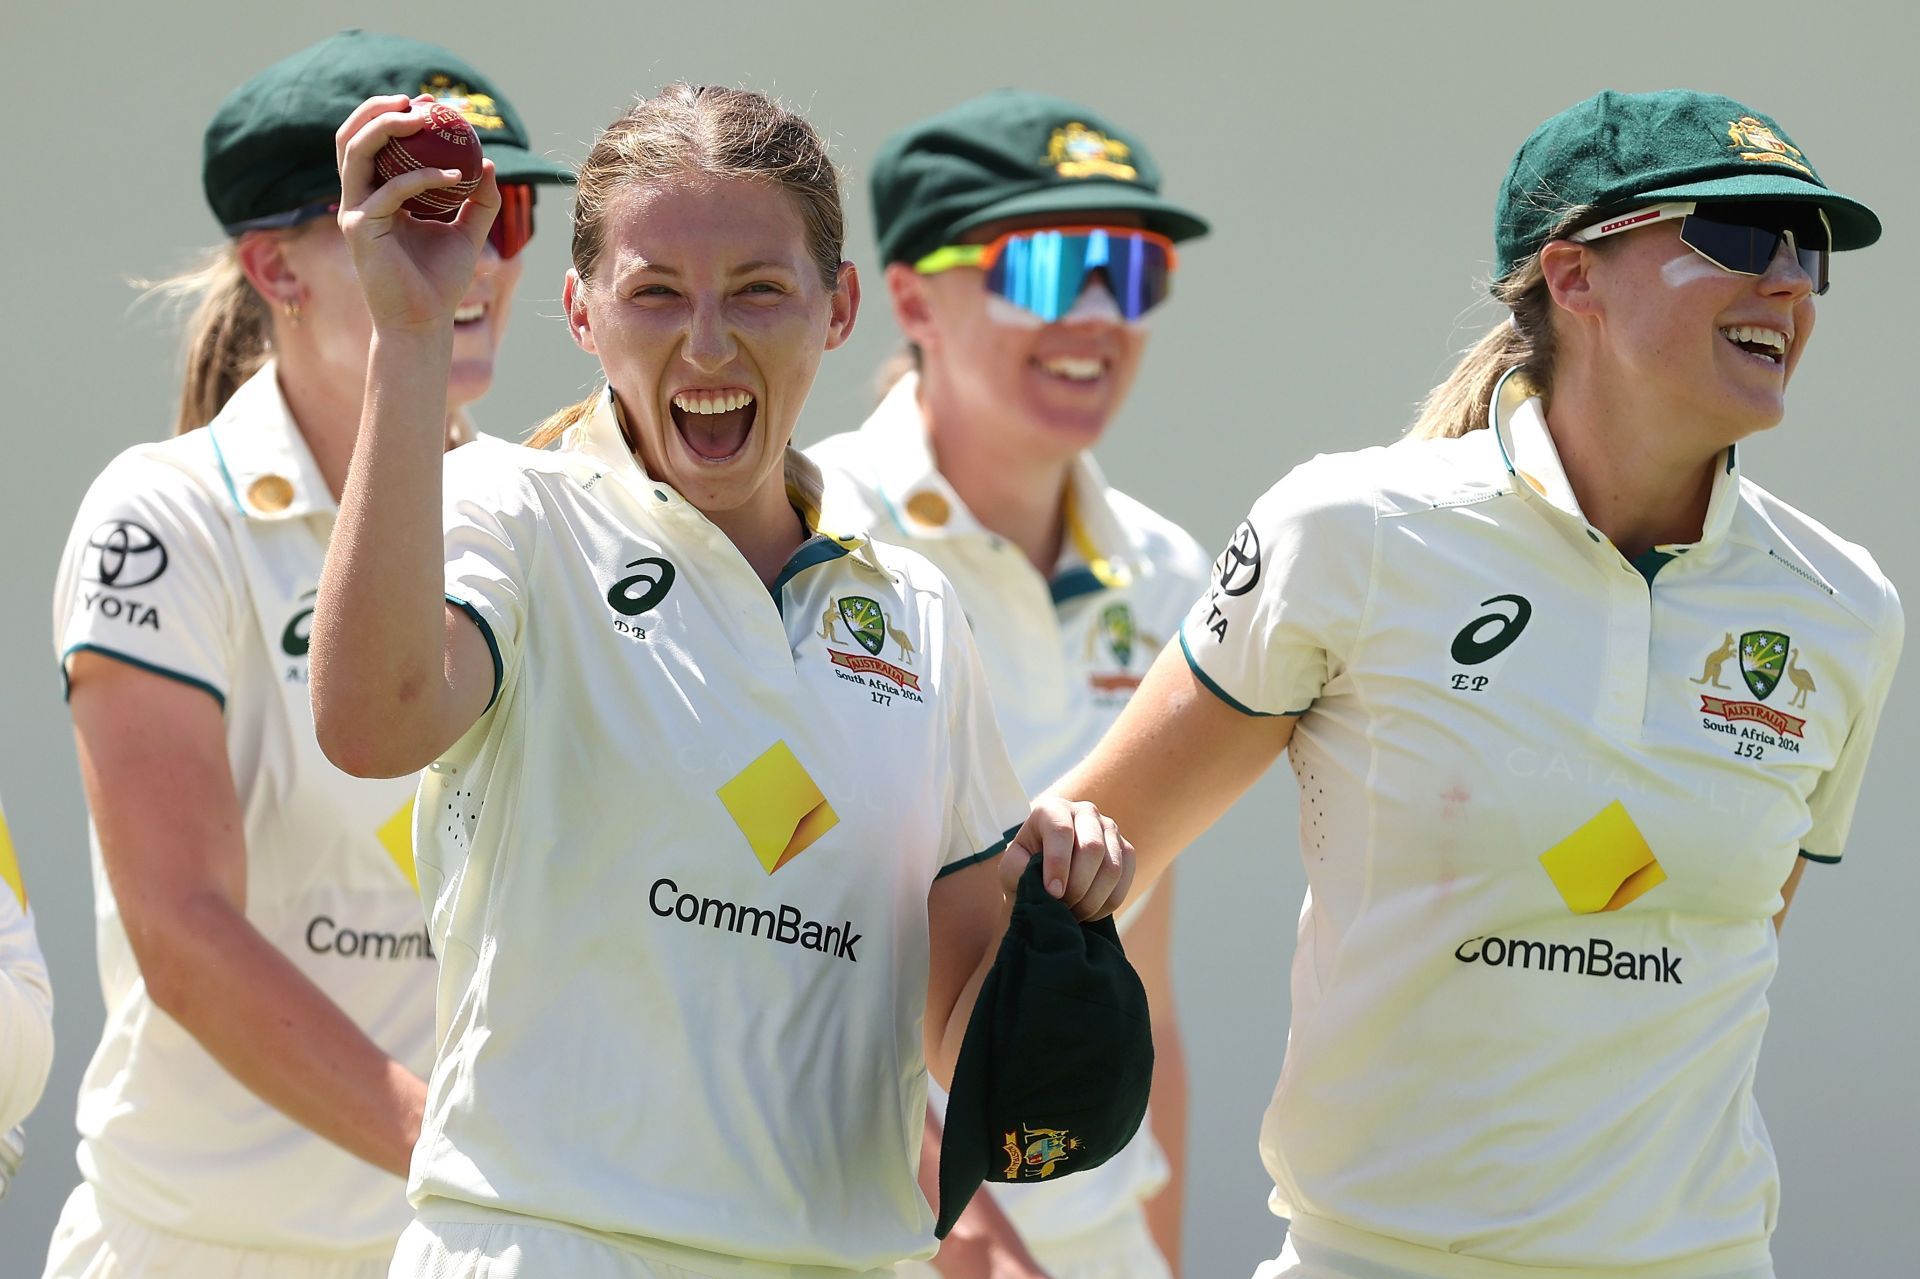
(1072, 583)
(818, 549)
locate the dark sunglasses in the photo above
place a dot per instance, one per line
(511, 230)
(1741, 237)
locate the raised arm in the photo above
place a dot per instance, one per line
(397, 675)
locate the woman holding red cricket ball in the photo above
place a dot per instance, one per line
(254, 1100)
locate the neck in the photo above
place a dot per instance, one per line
(327, 413)
(326, 409)
(766, 530)
(1641, 476)
(1018, 496)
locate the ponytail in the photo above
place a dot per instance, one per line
(1523, 341)
(229, 334)
(565, 420)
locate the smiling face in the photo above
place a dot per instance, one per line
(1708, 350)
(709, 315)
(335, 329)
(1023, 388)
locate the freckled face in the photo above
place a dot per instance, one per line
(710, 317)
(1717, 347)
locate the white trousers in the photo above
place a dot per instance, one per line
(1121, 1249)
(94, 1242)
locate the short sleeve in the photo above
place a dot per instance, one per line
(26, 997)
(1283, 607)
(150, 577)
(988, 803)
(1836, 793)
(489, 520)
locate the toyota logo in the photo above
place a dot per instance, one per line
(1238, 568)
(125, 555)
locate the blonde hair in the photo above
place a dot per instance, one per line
(1523, 341)
(702, 129)
(229, 334)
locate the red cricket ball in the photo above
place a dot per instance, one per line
(448, 142)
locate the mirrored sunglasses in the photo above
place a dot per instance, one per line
(1043, 269)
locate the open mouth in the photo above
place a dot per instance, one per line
(715, 424)
(471, 313)
(1079, 369)
(1759, 341)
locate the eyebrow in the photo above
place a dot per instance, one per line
(637, 265)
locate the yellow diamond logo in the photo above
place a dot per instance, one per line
(10, 865)
(1603, 865)
(777, 807)
(396, 836)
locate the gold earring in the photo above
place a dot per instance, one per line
(292, 308)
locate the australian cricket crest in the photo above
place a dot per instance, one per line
(1033, 1154)
(1763, 655)
(865, 622)
(1114, 630)
(1116, 627)
(1765, 658)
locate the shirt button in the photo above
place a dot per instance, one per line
(929, 508)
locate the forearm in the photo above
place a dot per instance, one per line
(948, 1030)
(278, 1034)
(378, 654)
(982, 1244)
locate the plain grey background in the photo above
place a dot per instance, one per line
(1348, 156)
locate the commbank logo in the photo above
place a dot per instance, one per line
(784, 924)
(777, 806)
(1597, 957)
(1603, 865)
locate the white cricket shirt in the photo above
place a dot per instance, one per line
(197, 558)
(1548, 800)
(678, 871)
(1062, 656)
(26, 997)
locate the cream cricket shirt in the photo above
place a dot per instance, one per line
(1062, 657)
(197, 558)
(1549, 798)
(678, 872)
(26, 998)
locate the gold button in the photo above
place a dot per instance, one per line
(270, 494)
(929, 508)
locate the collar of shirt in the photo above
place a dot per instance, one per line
(264, 461)
(601, 436)
(1527, 454)
(1097, 552)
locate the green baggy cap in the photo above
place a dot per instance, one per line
(269, 149)
(1617, 150)
(1057, 1061)
(1009, 153)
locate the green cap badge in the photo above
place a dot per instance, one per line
(1010, 153)
(269, 149)
(1617, 150)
